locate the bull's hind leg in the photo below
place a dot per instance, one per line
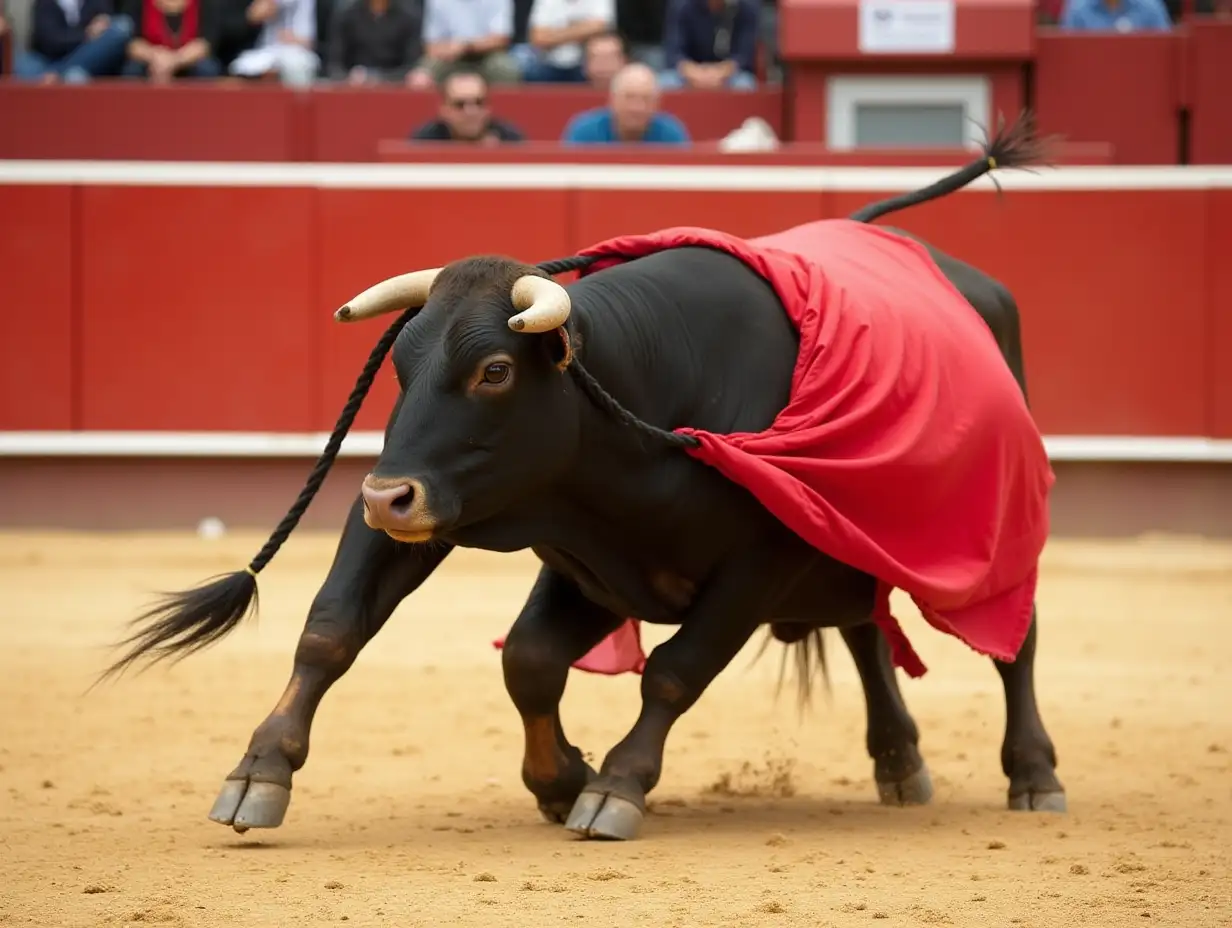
(370, 575)
(556, 627)
(720, 622)
(1027, 755)
(892, 736)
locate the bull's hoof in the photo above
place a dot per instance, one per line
(914, 790)
(1031, 801)
(606, 816)
(245, 804)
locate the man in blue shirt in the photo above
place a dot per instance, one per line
(710, 44)
(1115, 16)
(632, 115)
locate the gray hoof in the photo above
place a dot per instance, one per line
(243, 804)
(916, 790)
(599, 815)
(1038, 802)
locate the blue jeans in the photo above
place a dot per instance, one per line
(741, 80)
(93, 58)
(539, 71)
(206, 67)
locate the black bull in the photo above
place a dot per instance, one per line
(501, 440)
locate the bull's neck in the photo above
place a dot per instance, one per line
(640, 356)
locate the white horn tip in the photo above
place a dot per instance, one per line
(343, 314)
(517, 323)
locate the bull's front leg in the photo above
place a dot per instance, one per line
(1027, 755)
(720, 622)
(370, 575)
(557, 626)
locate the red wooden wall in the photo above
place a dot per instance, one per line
(203, 307)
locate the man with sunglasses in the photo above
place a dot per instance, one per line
(464, 114)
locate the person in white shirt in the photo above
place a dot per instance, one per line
(285, 45)
(469, 34)
(558, 31)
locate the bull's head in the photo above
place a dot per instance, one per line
(485, 415)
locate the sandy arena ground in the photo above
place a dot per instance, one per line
(410, 811)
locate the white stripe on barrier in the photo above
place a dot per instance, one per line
(368, 444)
(454, 175)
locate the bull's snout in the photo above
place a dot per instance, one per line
(398, 507)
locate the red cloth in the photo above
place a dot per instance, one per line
(157, 31)
(906, 448)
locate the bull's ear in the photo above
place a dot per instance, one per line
(558, 345)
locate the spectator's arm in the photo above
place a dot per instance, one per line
(744, 37)
(50, 34)
(208, 26)
(602, 18)
(673, 36)
(434, 33)
(500, 29)
(303, 25)
(138, 48)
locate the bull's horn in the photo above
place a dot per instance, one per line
(406, 291)
(543, 304)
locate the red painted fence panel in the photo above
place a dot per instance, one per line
(207, 308)
(197, 308)
(37, 328)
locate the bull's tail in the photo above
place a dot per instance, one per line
(808, 646)
(1014, 147)
(187, 621)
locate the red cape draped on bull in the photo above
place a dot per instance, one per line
(906, 449)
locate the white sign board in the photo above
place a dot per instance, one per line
(906, 27)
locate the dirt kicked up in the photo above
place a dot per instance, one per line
(411, 812)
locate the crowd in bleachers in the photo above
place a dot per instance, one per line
(631, 49)
(686, 43)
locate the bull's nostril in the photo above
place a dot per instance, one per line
(401, 504)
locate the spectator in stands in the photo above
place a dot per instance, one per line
(474, 33)
(710, 44)
(284, 44)
(74, 41)
(606, 53)
(240, 23)
(641, 23)
(373, 41)
(558, 29)
(1115, 16)
(465, 115)
(172, 38)
(632, 115)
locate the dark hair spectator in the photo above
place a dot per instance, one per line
(606, 54)
(372, 41)
(465, 115)
(172, 38)
(475, 33)
(74, 41)
(710, 44)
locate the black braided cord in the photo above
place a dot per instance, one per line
(345, 419)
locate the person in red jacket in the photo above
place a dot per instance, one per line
(172, 38)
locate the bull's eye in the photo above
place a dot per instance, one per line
(497, 372)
